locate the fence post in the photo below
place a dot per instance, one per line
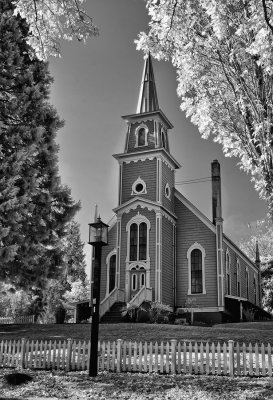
(231, 357)
(119, 341)
(173, 353)
(23, 353)
(69, 354)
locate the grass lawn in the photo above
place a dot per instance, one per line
(260, 332)
(109, 386)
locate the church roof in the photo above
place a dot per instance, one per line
(147, 100)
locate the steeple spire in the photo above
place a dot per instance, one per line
(257, 253)
(147, 101)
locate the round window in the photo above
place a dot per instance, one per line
(139, 188)
(167, 191)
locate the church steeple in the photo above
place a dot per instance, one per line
(147, 100)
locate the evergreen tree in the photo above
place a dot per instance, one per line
(74, 256)
(35, 208)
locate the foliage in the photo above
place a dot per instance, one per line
(249, 314)
(159, 312)
(53, 20)
(74, 258)
(13, 303)
(35, 207)
(132, 386)
(262, 233)
(222, 51)
(190, 305)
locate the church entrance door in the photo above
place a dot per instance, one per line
(137, 280)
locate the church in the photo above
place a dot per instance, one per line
(160, 246)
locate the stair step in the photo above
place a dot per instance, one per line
(114, 314)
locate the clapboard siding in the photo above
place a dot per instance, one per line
(150, 215)
(112, 241)
(167, 262)
(234, 256)
(146, 170)
(190, 229)
(167, 177)
(132, 137)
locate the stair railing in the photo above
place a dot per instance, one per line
(144, 294)
(110, 300)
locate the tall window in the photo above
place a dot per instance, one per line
(133, 242)
(247, 283)
(112, 273)
(255, 289)
(238, 279)
(138, 242)
(196, 271)
(141, 137)
(163, 139)
(227, 273)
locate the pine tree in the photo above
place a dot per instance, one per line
(74, 256)
(35, 208)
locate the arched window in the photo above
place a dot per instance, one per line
(196, 271)
(142, 279)
(238, 279)
(141, 135)
(227, 273)
(255, 289)
(133, 242)
(112, 273)
(196, 267)
(247, 283)
(137, 229)
(138, 242)
(134, 282)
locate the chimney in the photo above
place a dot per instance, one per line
(216, 191)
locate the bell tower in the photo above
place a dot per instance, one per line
(146, 195)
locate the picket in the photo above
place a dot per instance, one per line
(171, 357)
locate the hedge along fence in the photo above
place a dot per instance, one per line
(121, 356)
(25, 319)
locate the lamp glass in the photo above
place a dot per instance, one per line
(98, 233)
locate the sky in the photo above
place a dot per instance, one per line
(94, 85)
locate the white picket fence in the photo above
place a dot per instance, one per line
(121, 356)
(27, 319)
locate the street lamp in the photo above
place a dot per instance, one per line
(98, 237)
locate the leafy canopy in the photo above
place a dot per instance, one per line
(222, 51)
(53, 20)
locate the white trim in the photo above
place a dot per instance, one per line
(109, 255)
(195, 211)
(135, 202)
(227, 267)
(149, 154)
(158, 258)
(145, 127)
(203, 252)
(138, 181)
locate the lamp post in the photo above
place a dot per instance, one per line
(98, 237)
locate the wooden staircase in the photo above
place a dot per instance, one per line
(113, 316)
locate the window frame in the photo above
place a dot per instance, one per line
(196, 246)
(228, 275)
(134, 185)
(108, 259)
(138, 220)
(141, 126)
